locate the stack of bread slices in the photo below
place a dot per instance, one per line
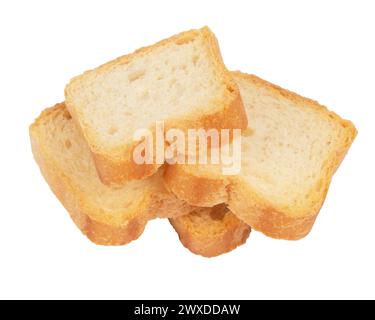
(290, 148)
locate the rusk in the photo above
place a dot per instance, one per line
(210, 232)
(181, 81)
(290, 152)
(106, 216)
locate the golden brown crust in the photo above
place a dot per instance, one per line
(98, 232)
(249, 206)
(118, 167)
(262, 216)
(202, 191)
(209, 233)
(115, 173)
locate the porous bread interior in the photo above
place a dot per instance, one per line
(286, 154)
(67, 151)
(171, 81)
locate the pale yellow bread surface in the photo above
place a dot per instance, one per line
(181, 81)
(210, 232)
(290, 151)
(107, 216)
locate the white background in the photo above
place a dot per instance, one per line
(320, 49)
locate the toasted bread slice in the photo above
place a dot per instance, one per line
(289, 153)
(181, 81)
(107, 216)
(210, 232)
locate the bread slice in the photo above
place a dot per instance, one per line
(107, 216)
(181, 81)
(210, 232)
(289, 153)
